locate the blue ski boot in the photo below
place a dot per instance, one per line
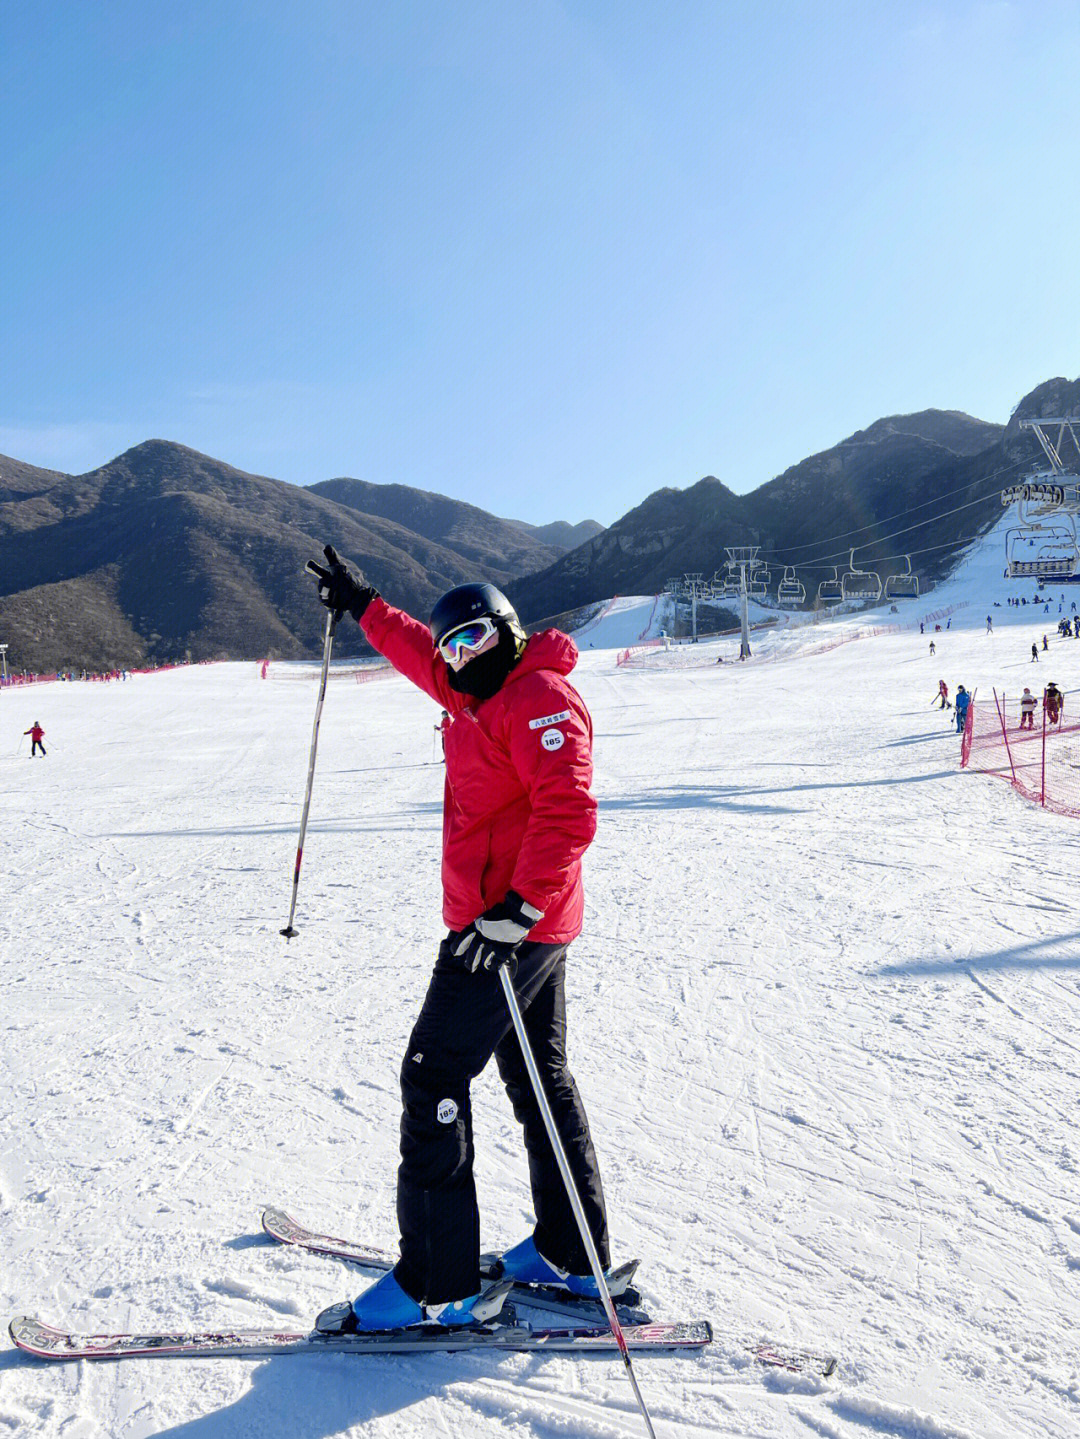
(386, 1306)
(524, 1264)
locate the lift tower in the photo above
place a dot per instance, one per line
(743, 558)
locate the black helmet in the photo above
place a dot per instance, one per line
(470, 602)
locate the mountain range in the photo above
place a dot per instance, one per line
(931, 481)
(165, 553)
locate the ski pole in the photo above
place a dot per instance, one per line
(331, 625)
(571, 1190)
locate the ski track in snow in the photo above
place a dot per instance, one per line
(825, 1015)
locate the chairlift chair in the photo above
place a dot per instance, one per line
(830, 591)
(790, 590)
(1043, 551)
(860, 584)
(730, 589)
(904, 585)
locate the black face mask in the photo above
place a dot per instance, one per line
(484, 674)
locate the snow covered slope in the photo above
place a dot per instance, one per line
(825, 1015)
(629, 619)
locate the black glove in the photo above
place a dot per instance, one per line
(490, 941)
(341, 587)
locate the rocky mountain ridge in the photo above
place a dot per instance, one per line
(165, 553)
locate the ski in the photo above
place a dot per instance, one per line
(286, 1230)
(795, 1361)
(47, 1342)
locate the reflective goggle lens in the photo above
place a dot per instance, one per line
(466, 639)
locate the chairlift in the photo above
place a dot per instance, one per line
(903, 585)
(1043, 551)
(728, 585)
(860, 584)
(790, 591)
(831, 591)
(755, 588)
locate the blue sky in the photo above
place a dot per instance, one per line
(545, 257)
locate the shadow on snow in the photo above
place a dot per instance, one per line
(738, 797)
(1020, 956)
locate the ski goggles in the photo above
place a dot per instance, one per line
(466, 639)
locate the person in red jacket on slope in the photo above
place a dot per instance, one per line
(518, 815)
(37, 735)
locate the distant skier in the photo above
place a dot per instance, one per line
(1027, 709)
(922, 627)
(943, 695)
(37, 734)
(441, 730)
(1045, 645)
(963, 699)
(989, 624)
(1034, 654)
(519, 815)
(933, 648)
(1053, 703)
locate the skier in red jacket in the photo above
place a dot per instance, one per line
(37, 734)
(518, 815)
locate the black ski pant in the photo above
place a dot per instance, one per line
(463, 1022)
(36, 745)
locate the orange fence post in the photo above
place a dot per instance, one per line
(1004, 732)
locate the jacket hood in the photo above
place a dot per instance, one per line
(546, 650)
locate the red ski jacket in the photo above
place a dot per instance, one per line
(518, 812)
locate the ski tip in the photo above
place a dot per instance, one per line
(277, 1223)
(33, 1337)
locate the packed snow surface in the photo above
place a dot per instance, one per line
(825, 1015)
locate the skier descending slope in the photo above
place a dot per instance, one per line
(518, 816)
